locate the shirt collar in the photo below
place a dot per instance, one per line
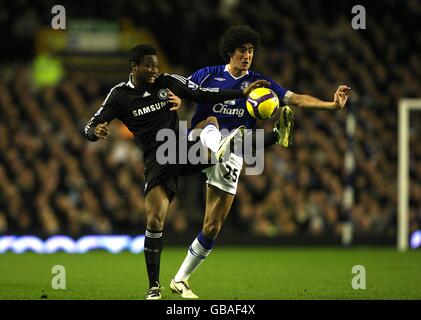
(130, 82)
(236, 78)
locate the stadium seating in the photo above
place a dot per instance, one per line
(53, 181)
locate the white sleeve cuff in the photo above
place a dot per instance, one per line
(287, 95)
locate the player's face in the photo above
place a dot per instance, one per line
(242, 57)
(147, 70)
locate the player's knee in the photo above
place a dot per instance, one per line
(155, 223)
(211, 229)
(212, 120)
(155, 219)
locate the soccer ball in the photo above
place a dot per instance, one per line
(262, 103)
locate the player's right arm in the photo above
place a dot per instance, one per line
(97, 127)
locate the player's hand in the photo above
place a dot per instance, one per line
(341, 96)
(101, 130)
(174, 100)
(255, 85)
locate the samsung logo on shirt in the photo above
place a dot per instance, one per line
(148, 109)
(223, 109)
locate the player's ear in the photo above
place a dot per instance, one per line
(228, 56)
(134, 66)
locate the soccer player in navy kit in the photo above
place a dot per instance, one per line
(237, 47)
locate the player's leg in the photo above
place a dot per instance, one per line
(156, 205)
(222, 186)
(227, 146)
(283, 128)
(218, 205)
(210, 135)
(269, 139)
(282, 133)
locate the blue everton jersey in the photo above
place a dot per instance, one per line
(233, 113)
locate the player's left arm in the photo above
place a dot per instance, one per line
(309, 102)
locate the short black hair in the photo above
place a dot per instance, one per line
(235, 37)
(137, 53)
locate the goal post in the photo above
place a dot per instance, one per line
(405, 107)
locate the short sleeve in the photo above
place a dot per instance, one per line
(282, 93)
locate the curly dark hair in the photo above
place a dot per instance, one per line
(137, 53)
(237, 36)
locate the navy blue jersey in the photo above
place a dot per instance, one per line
(232, 113)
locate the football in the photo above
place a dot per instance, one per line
(262, 103)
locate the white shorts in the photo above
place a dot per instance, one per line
(225, 175)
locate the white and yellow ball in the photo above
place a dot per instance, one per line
(262, 103)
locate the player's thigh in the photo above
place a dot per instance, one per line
(222, 185)
(209, 120)
(225, 175)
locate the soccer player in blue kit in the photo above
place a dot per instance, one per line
(237, 47)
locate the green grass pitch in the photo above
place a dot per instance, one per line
(229, 273)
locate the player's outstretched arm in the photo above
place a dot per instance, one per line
(188, 90)
(309, 102)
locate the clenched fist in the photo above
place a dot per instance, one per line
(101, 130)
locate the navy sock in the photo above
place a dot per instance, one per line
(206, 243)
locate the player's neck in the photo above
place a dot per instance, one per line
(236, 72)
(139, 84)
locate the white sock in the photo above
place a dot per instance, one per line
(195, 256)
(211, 137)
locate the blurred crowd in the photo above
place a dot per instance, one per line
(52, 180)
